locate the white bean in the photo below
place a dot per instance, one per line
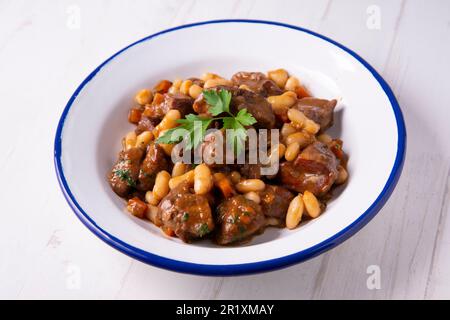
(295, 212)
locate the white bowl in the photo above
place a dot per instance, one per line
(368, 119)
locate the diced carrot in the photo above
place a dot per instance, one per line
(168, 231)
(163, 86)
(158, 98)
(137, 207)
(336, 148)
(134, 116)
(302, 92)
(149, 111)
(225, 186)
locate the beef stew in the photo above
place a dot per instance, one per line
(228, 202)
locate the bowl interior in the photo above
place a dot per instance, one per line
(97, 121)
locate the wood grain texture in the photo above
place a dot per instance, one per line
(47, 253)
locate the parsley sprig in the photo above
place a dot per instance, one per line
(196, 126)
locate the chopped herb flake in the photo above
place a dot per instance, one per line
(125, 175)
(204, 229)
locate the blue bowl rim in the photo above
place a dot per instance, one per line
(246, 268)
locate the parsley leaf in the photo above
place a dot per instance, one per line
(167, 137)
(203, 229)
(245, 118)
(219, 101)
(193, 125)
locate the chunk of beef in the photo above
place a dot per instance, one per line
(320, 152)
(213, 149)
(315, 170)
(145, 124)
(275, 201)
(124, 175)
(319, 110)
(178, 101)
(250, 171)
(255, 104)
(257, 82)
(188, 215)
(256, 168)
(154, 162)
(238, 218)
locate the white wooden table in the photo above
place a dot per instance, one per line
(48, 47)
